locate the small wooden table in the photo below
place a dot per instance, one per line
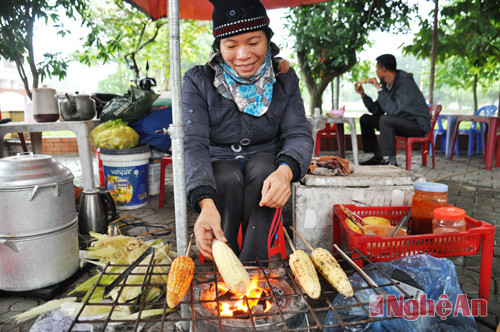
(80, 128)
(492, 122)
(319, 122)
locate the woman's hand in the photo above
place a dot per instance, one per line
(276, 187)
(207, 227)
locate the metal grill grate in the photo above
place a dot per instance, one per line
(314, 311)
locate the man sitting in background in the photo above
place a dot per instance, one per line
(400, 110)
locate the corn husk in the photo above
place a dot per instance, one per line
(41, 309)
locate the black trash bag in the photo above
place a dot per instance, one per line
(131, 107)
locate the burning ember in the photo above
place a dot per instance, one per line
(255, 297)
(263, 295)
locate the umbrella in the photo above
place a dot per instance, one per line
(202, 9)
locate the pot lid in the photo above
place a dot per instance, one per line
(28, 170)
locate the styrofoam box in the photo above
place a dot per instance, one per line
(314, 196)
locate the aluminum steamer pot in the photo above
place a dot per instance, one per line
(39, 225)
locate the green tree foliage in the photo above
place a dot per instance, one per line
(17, 20)
(122, 34)
(329, 35)
(468, 44)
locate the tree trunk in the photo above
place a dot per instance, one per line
(475, 94)
(337, 93)
(433, 52)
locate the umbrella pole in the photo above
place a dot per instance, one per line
(176, 132)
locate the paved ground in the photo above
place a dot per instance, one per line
(471, 187)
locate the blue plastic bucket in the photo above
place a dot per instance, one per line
(126, 176)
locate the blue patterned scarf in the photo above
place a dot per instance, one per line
(252, 94)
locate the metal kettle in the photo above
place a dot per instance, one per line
(77, 107)
(97, 209)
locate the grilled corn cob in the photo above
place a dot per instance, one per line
(179, 278)
(232, 271)
(328, 266)
(304, 271)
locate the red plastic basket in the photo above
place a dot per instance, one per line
(479, 235)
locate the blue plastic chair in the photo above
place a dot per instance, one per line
(474, 130)
(442, 131)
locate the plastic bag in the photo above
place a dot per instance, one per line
(114, 134)
(147, 126)
(132, 106)
(418, 275)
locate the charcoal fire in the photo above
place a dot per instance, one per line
(264, 304)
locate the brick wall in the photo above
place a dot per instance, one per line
(60, 145)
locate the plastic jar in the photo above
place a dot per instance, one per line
(427, 197)
(448, 220)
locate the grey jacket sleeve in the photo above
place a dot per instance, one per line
(372, 106)
(195, 116)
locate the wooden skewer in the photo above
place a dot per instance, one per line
(355, 266)
(303, 240)
(289, 240)
(189, 245)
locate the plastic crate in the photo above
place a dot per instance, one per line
(479, 235)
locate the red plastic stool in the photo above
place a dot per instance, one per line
(498, 152)
(165, 160)
(279, 245)
(328, 130)
(100, 168)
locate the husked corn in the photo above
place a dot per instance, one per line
(304, 271)
(230, 267)
(329, 268)
(179, 278)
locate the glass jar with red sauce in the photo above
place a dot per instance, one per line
(448, 219)
(427, 197)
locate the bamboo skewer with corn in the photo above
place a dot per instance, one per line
(303, 269)
(230, 267)
(180, 277)
(329, 268)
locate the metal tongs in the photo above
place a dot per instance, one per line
(357, 220)
(402, 223)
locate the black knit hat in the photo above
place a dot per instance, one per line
(237, 16)
(388, 61)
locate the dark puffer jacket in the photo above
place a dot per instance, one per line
(404, 99)
(215, 130)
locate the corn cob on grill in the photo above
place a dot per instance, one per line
(304, 271)
(179, 278)
(230, 267)
(328, 266)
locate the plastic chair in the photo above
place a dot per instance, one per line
(276, 245)
(165, 160)
(473, 131)
(424, 141)
(442, 131)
